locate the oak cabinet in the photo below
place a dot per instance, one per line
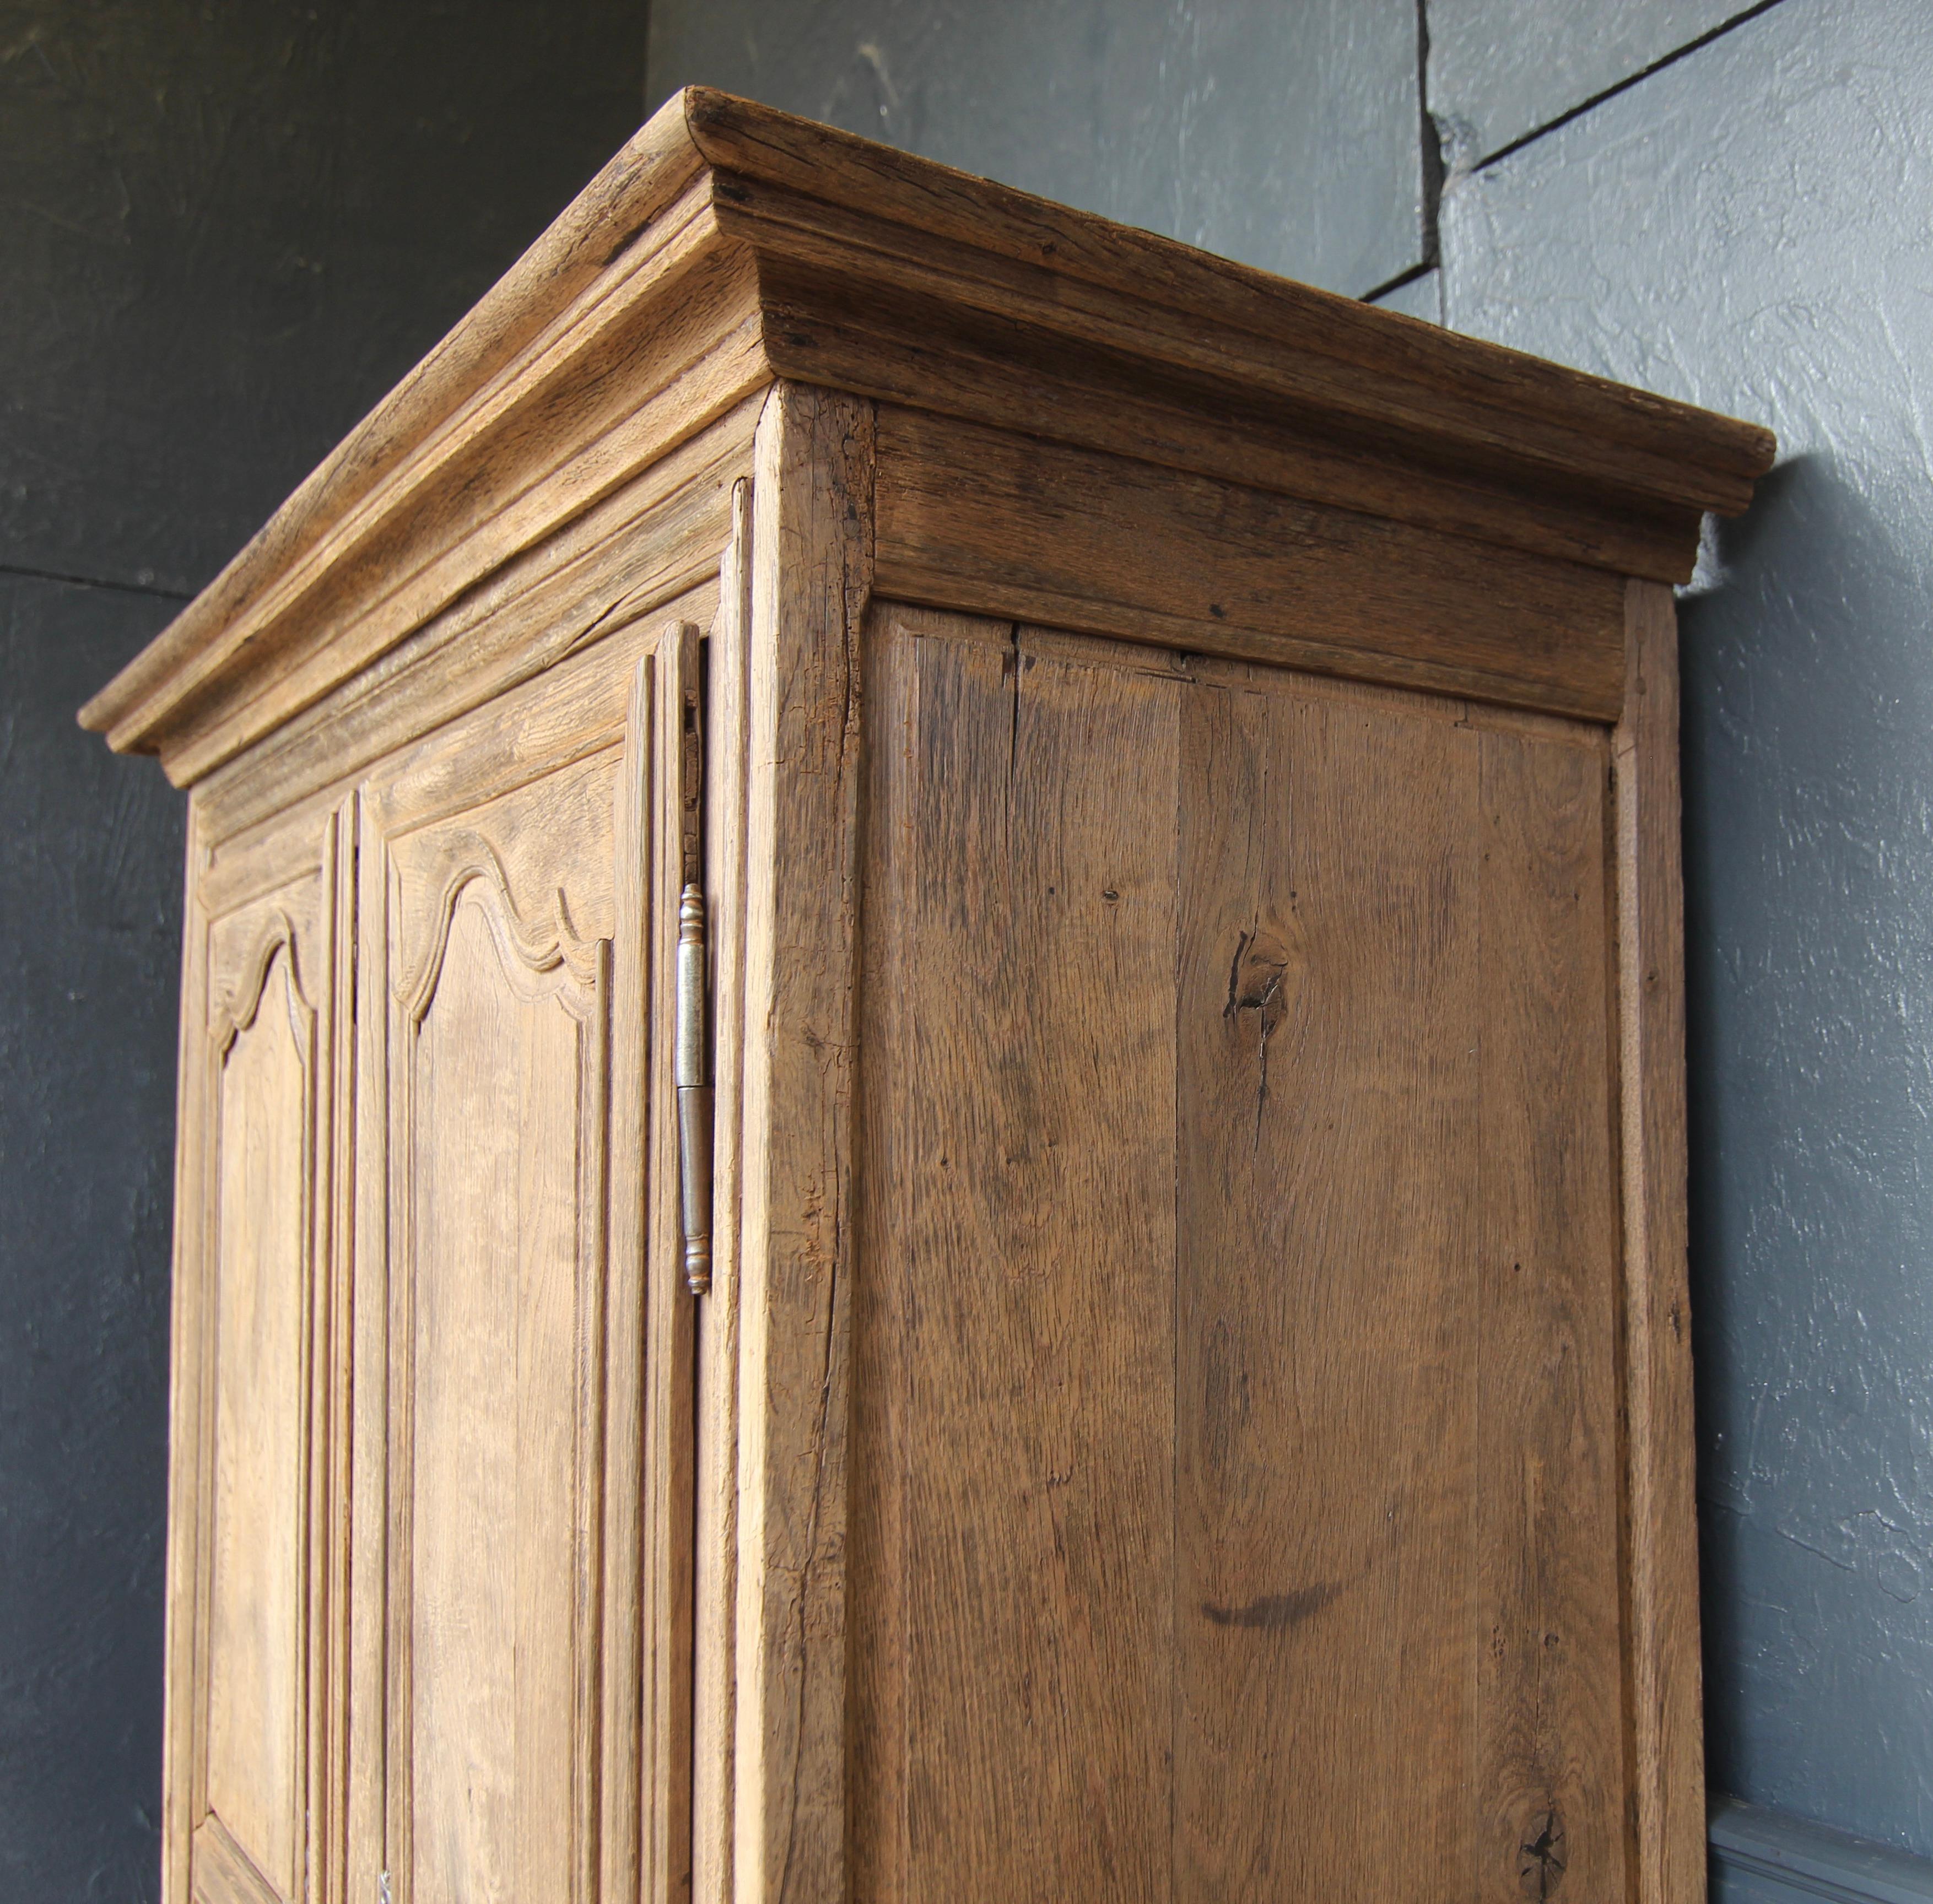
(931, 1135)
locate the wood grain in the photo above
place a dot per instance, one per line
(971, 517)
(824, 263)
(250, 1656)
(1011, 1587)
(811, 574)
(180, 1718)
(366, 1808)
(1331, 1003)
(1386, 1291)
(1232, 307)
(714, 1692)
(629, 560)
(506, 907)
(1661, 1538)
(1551, 1783)
(264, 1048)
(332, 1467)
(924, 352)
(625, 1749)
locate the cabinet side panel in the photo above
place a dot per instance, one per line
(1329, 1012)
(1011, 1584)
(1551, 1782)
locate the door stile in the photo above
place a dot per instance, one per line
(716, 1481)
(621, 1768)
(329, 1398)
(367, 1807)
(812, 548)
(668, 1322)
(185, 1632)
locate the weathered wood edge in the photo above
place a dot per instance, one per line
(181, 1612)
(979, 519)
(715, 1565)
(627, 1610)
(668, 1509)
(605, 259)
(759, 142)
(811, 562)
(333, 1368)
(1665, 1691)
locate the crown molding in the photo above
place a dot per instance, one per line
(728, 246)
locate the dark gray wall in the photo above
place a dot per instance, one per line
(1284, 133)
(1728, 201)
(224, 232)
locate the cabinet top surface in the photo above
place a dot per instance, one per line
(786, 249)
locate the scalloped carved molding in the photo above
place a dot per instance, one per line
(237, 1012)
(535, 950)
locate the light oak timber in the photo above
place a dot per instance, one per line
(181, 1718)
(1068, 393)
(363, 627)
(811, 577)
(1356, 900)
(974, 518)
(1239, 305)
(1198, 1354)
(578, 706)
(668, 1509)
(332, 1471)
(923, 315)
(1330, 995)
(1015, 1365)
(1550, 1780)
(1661, 1536)
(632, 557)
(250, 1551)
(716, 1559)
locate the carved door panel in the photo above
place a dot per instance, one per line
(251, 1598)
(507, 911)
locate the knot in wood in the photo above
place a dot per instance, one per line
(1541, 1856)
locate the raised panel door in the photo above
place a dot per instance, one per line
(508, 1346)
(248, 1769)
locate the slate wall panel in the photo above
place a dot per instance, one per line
(228, 230)
(1747, 229)
(90, 935)
(1287, 135)
(1499, 69)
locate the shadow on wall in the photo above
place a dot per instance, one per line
(1810, 971)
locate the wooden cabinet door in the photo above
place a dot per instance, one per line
(512, 872)
(249, 1593)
